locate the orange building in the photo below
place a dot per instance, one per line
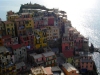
(68, 69)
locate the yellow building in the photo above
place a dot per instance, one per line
(2, 28)
(11, 16)
(40, 39)
(9, 28)
(29, 25)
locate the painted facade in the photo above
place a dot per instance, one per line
(24, 26)
(11, 16)
(49, 58)
(6, 62)
(2, 29)
(53, 33)
(40, 40)
(86, 62)
(20, 52)
(10, 28)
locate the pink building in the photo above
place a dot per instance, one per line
(86, 62)
(78, 42)
(50, 21)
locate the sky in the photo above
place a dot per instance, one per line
(14, 5)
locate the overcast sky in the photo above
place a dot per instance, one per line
(67, 5)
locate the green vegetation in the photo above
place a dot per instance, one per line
(32, 6)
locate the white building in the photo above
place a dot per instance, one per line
(20, 52)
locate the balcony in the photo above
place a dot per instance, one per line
(40, 62)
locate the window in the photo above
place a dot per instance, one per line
(11, 24)
(24, 49)
(37, 41)
(46, 58)
(7, 24)
(86, 66)
(90, 66)
(44, 41)
(20, 52)
(2, 57)
(66, 47)
(49, 62)
(54, 56)
(52, 61)
(8, 29)
(82, 66)
(6, 56)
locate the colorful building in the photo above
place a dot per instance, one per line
(20, 52)
(7, 67)
(67, 50)
(40, 40)
(68, 69)
(41, 71)
(11, 16)
(9, 28)
(24, 26)
(2, 29)
(53, 33)
(26, 15)
(49, 58)
(27, 41)
(86, 62)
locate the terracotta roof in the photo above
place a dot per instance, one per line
(16, 46)
(48, 70)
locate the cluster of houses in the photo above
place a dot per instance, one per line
(32, 30)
